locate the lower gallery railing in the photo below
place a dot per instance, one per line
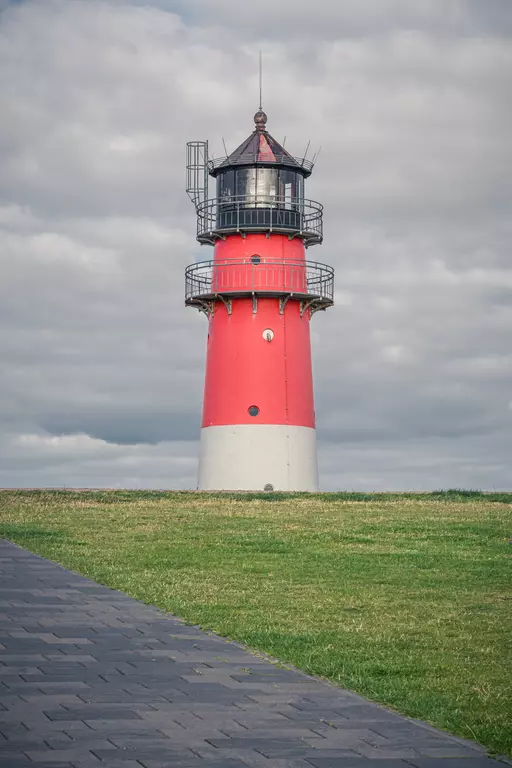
(304, 278)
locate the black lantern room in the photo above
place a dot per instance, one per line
(260, 185)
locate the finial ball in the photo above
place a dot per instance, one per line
(260, 120)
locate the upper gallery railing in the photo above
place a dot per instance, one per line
(259, 213)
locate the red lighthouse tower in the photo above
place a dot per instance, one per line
(259, 293)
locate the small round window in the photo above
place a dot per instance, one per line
(253, 410)
(256, 259)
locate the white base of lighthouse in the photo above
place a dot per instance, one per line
(248, 457)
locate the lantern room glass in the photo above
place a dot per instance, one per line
(261, 187)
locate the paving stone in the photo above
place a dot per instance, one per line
(53, 687)
(92, 713)
(21, 659)
(195, 764)
(50, 701)
(268, 676)
(246, 755)
(376, 753)
(197, 694)
(153, 741)
(199, 708)
(25, 762)
(16, 762)
(112, 726)
(132, 692)
(251, 759)
(267, 747)
(13, 674)
(66, 756)
(321, 715)
(174, 756)
(454, 762)
(358, 762)
(97, 696)
(75, 729)
(113, 762)
(12, 731)
(15, 747)
(446, 750)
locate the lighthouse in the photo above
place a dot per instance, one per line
(259, 293)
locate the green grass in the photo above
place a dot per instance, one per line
(404, 598)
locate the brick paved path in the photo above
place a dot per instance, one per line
(90, 678)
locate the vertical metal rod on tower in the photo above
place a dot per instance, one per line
(316, 155)
(261, 77)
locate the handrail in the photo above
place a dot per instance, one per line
(308, 280)
(259, 213)
(251, 158)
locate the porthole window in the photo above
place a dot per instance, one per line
(256, 259)
(253, 410)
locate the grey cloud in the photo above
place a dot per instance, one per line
(352, 18)
(81, 461)
(125, 426)
(422, 465)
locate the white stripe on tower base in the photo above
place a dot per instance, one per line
(248, 457)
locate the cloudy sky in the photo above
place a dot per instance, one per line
(101, 365)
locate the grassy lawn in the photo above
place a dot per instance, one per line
(403, 598)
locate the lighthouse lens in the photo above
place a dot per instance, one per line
(253, 410)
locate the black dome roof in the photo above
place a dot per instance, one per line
(260, 148)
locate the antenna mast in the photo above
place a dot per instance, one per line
(261, 105)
